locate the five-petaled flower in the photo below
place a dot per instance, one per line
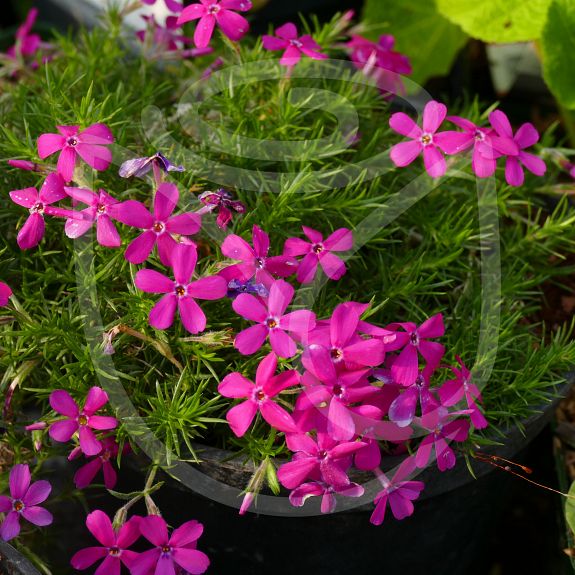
(286, 39)
(319, 251)
(222, 203)
(5, 294)
(212, 12)
(181, 293)
(259, 396)
(90, 144)
(86, 474)
(83, 421)
(23, 502)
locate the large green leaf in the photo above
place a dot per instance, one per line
(558, 51)
(421, 32)
(498, 20)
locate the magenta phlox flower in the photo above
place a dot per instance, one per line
(443, 427)
(90, 144)
(414, 341)
(319, 251)
(259, 397)
(83, 421)
(180, 293)
(255, 261)
(399, 492)
(221, 201)
(174, 6)
(103, 461)
(23, 502)
(525, 137)
(272, 321)
(115, 544)
(170, 553)
(454, 390)
(158, 226)
(212, 12)
(328, 493)
(293, 47)
(39, 204)
(5, 294)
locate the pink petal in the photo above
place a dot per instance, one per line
(237, 248)
(294, 473)
(32, 232)
(313, 235)
(37, 493)
(300, 322)
(140, 249)
(129, 533)
(134, 214)
(404, 125)
(266, 369)
(52, 189)
(402, 409)
(98, 134)
(282, 266)
(61, 402)
(97, 157)
(107, 234)
(155, 530)
(282, 344)
(38, 516)
(514, 172)
(277, 417)
(233, 25)
(444, 455)
(482, 167)
(287, 31)
(434, 161)
(432, 327)
(299, 495)
(102, 422)
(378, 514)
(501, 124)
(281, 294)
(162, 314)
(332, 265)
(67, 163)
(186, 534)
(317, 359)
(400, 507)
(307, 268)
(251, 339)
(10, 526)
(77, 228)
(404, 153)
(424, 452)
(291, 56)
(151, 281)
(87, 557)
(453, 142)
(241, 416)
(340, 424)
(526, 136)
(284, 380)
(88, 442)
(204, 30)
(239, 5)
(273, 43)
(95, 400)
(405, 368)
(49, 144)
(249, 307)
(191, 560)
(192, 12)
(165, 201)
(261, 242)
(432, 352)
(100, 527)
(296, 247)
(62, 431)
(369, 352)
(369, 457)
(433, 115)
(5, 504)
(209, 288)
(110, 476)
(19, 481)
(25, 198)
(343, 325)
(85, 475)
(186, 224)
(192, 316)
(339, 241)
(110, 566)
(533, 163)
(235, 385)
(146, 562)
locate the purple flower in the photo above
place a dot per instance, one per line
(90, 145)
(39, 204)
(271, 321)
(398, 492)
(255, 261)
(139, 167)
(454, 390)
(322, 460)
(159, 225)
(5, 294)
(405, 367)
(259, 396)
(115, 543)
(102, 209)
(27, 166)
(85, 475)
(27, 44)
(327, 493)
(403, 407)
(170, 552)
(79, 420)
(286, 39)
(222, 203)
(171, 5)
(23, 501)
(237, 287)
(525, 137)
(319, 251)
(423, 140)
(212, 12)
(181, 293)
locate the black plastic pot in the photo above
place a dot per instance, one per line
(14, 563)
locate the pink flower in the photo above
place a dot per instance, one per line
(272, 322)
(158, 226)
(23, 501)
(255, 261)
(525, 137)
(39, 204)
(90, 145)
(259, 397)
(327, 493)
(181, 293)
(398, 492)
(286, 39)
(85, 475)
(5, 294)
(443, 429)
(423, 139)
(27, 44)
(222, 203)
(102, 209)
(317, 251)
(26, 165)
(170, 552)
(79, 420)
(212, 12)
(172, 5)
(115, 544)
(453, 391)
(403, 407)
(324, 460)
(415, 339)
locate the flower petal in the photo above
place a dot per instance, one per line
(404, 125)
(514, 172)
(67, 163)
(434, 161)
(251, 339)
(533, 163)
(25, 198)
(49, 144)
(140, 249)
(97, 157)
(37, 493)
(162, 314)
(154, 529)
(134, 214)
(85, 475)
(277, 417)
(209, 288)
(184, 259)
(186, 224)
(62, 431)
(235, 385)
(87, 557)
(32, 232)
(165, 201)
(95, 400)
(282, 344)
(501, 124)
(19, 480)
(61, 402)
(38, 516)
(151, 281)
(295, 472)
(192, 12)
(433, 115)
(186, 534)
(106, 233)
(287, 31)
(88, 442)
(192, 316)
(281, 294)
(404, 153)
(10, 526)
(233, 25)
(249, 307)
(241, 416)
(204, 30)
(340, 424)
